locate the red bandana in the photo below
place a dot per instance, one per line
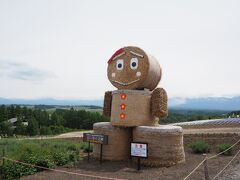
(115, 54)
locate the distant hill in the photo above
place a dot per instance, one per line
(206, 103)
(50, 101)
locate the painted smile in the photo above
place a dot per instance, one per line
(127, 83)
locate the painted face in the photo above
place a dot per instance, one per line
(129, 68)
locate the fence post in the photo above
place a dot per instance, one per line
(206, 167)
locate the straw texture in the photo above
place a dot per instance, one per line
(159, 101)
(148, 66)
(118, 147)
(107, 104)
(165, 144)
(136, 111)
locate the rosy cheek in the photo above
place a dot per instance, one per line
(138, 74)
(113, 75)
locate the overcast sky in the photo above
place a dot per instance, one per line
(60, 48)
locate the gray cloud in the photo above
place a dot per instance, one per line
(23, 71)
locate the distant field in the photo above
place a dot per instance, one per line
(51, 109)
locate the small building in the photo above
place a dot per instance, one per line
(13, 121)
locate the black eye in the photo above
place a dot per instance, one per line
(119, 64)
(134, 63)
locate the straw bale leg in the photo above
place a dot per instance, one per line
(165, 148)
(118, 147)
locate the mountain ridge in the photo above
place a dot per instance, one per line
(208, 103)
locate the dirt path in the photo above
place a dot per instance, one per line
(232, 173)
(126, 170)
(185, 131)
(61, 136)
(71, 135)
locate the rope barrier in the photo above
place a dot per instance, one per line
(223, 151)
(226, 165)
(62, 171)
(208, 158)
(194, 169)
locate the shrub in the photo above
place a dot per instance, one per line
(60, 158)
(74, 158)
(13, 170)
(199, 147)
(86, 148)
(223, 147)
(45, 131)
(72, 147)
(39, 160)
(46, 153)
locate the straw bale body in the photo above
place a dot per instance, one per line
(135, 106)
(165, 144)
(118, 142)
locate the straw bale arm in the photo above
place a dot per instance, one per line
(107, 104)
(159, 103)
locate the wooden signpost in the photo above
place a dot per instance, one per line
(95, 138)
(139, 150)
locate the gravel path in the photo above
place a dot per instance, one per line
(232, 173)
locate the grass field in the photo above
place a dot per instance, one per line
(51, 110)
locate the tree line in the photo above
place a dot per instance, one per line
(42, 122)
(181, 115)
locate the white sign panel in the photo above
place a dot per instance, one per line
(139, 150)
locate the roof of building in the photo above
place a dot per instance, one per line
(12, 120)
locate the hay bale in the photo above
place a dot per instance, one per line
(165, 144)
(159, 99)
(136, 110)
(107, 104)
(146, 75)
(118, 142)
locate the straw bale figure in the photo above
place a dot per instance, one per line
(135, 109)
(136, 102)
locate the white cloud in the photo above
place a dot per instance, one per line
(22, 71)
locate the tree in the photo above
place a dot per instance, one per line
(3, 113)
(45, 131)
(18, 111)
(6, 128)
(20, 127)
(33, 128)
(11, 112)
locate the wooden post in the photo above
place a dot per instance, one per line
(139, 164)
(101, 154)
(206, 167)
